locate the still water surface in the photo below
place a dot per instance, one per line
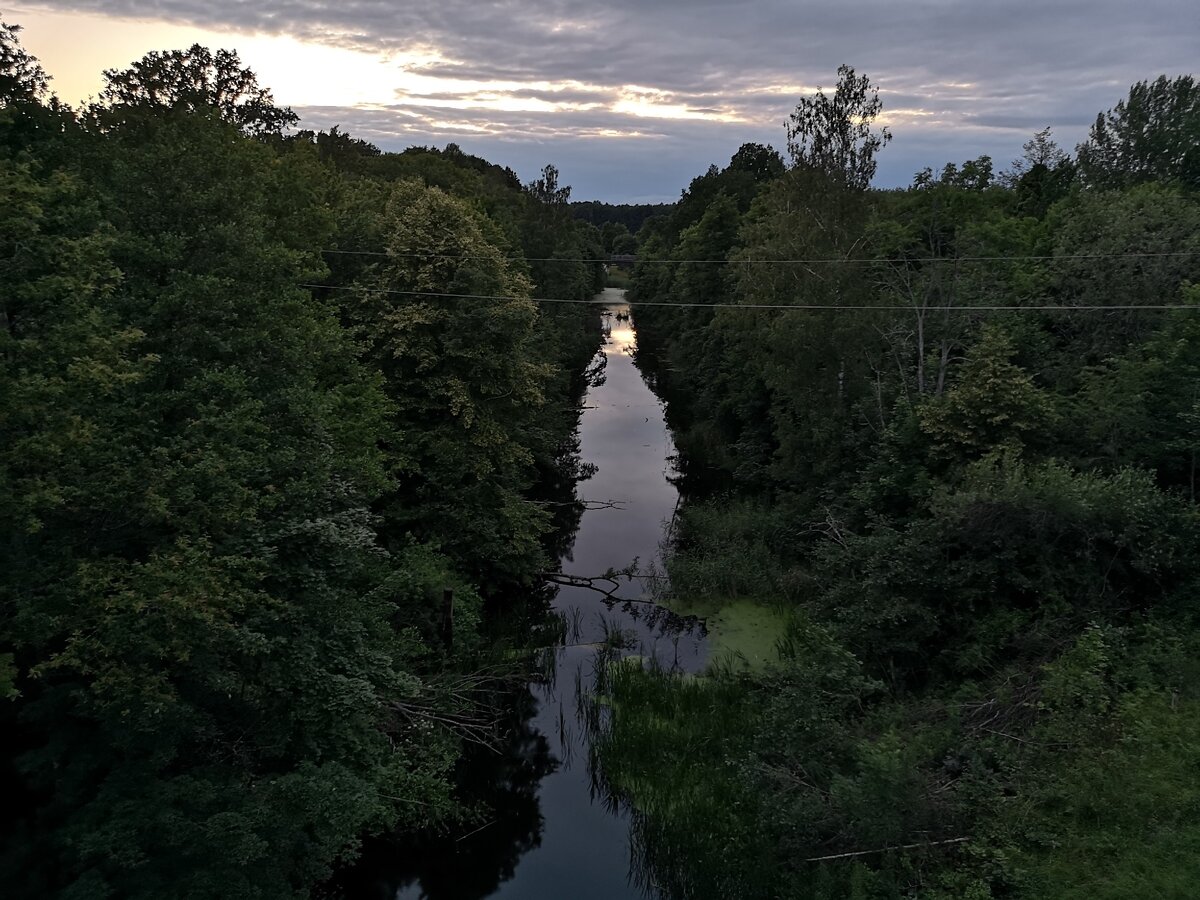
(556, 835)
(584, 851)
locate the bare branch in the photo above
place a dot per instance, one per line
(957, 840)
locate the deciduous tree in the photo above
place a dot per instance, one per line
(835, 135)
(193, 79)
(1153, 135)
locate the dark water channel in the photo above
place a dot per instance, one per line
(555, 832)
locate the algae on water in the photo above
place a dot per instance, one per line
(743, 634)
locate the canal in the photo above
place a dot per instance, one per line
(553, 831)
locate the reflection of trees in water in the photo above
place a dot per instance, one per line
(504, 789)
(557, 483)
(657, 864)
(595, 374)
(659, 845)
(646, 843)
(501, 787)
(660, 620)
(473, 859)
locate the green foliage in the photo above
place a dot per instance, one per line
(229, 502)
(729, 547)
(993, 404)
(630, 215)
(833, 135)
(192, 80)
(1152, 135)
(1139, 408)
(691, 830)
(22, 79)
(1149, 237)
(192, 576)
(1109, 782)
(617, 278)
(565, 255)
(1042, 176)
(979, 523)
(230, 506)
(460, 375)
(1001, 566)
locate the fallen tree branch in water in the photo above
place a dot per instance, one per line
(592, 583)
(586, 504)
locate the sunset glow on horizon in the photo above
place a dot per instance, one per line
(537, 85)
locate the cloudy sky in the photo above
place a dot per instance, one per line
(632, 98)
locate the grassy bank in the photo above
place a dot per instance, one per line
(808, 775)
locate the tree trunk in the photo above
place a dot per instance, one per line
(943, 364)
(920, 353)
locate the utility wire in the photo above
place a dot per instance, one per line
(839, 260)
(782, 306)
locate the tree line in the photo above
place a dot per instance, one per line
(952, 431)
(629, 216)
(255, 422)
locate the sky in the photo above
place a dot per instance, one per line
(631, 99)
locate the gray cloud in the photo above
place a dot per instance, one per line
(959, 77)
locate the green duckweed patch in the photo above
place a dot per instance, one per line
(743, 633)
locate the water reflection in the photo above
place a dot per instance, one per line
(473, 864)
(548, 827)
(619, 335)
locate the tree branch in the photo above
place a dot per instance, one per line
(957, 840)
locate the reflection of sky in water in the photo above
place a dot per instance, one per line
(584, 848)
(620, 338)
(622, 432)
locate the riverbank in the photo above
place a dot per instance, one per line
(544, 827)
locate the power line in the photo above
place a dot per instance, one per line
(780, 306)
(837, 260)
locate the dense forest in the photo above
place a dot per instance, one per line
(952, 432)
(618, 224)
(618, 218)
(265, 396)
(284, 429)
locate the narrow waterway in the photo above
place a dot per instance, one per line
(554, 833)
(584, 849)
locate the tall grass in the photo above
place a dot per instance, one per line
(729, 548)
(665, 747)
